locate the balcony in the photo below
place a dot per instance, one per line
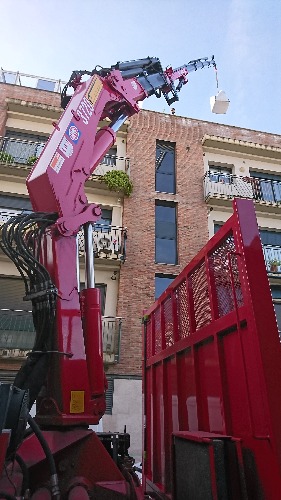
(24, 153)
(17, 335)
(35, 82)
(109, 242)
(262, 191)
(272, 257)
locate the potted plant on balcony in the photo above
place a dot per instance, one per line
(274, 264)
(31, 160)
(6, 157)
(119, 181)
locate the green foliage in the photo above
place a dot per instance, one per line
(6, 157)
(274, 262)
(119, 181)
(31, 160)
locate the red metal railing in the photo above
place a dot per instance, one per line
(212, 364)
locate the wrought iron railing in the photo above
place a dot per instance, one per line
(35, 82)
(227, 186)
(109, 242)
(19, 152)
(17, 335)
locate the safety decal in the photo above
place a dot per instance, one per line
(57, 162)
(66, 147)
(95, 90)
(73, 132)
(77, 402)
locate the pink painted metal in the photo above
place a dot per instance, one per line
(74, 149)
(212, 361)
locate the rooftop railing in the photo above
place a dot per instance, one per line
(19, 152)
(35, 82)
(228, 186)
(17, 335)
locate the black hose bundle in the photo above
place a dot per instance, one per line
(21, 240)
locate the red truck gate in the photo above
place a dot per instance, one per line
(212, 374)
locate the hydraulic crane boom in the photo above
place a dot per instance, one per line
(56, 183)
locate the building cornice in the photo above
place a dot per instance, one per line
(241, 147)
(33, 108)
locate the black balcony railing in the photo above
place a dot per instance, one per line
(109, 242)
(217, 185)
(19, 152)
(17, 335)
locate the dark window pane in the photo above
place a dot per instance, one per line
(165, 183)
(165, 167)
(220, 174)
(165, 251)
(166, 230)
(162, 282)
(104, 223)
(165, 212)
(270, 237)
(217, 227)
(277, 308)
(276, 292)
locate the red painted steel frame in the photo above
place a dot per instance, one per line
(212, 359)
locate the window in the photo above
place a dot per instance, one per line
(22, 146)
(15, 203)
(16, 321)
(162, 281)
(104, 223)
(270, 237)
(110, 158)
(165, 167)
(276, 297)
(165, 233)
(267, 187)
(220, 174)
(109, 396)
(217, 226)
(102, 288)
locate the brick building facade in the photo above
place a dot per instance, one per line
(185, 173)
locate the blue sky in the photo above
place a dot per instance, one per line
(51, 38)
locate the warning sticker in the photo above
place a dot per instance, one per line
(73, 133)
(66, 147)
(95, 90)
(77, 402)
(57, 162)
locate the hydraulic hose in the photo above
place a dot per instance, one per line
(54, 477)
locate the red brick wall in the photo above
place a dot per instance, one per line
(136, 290)
(23, 94)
